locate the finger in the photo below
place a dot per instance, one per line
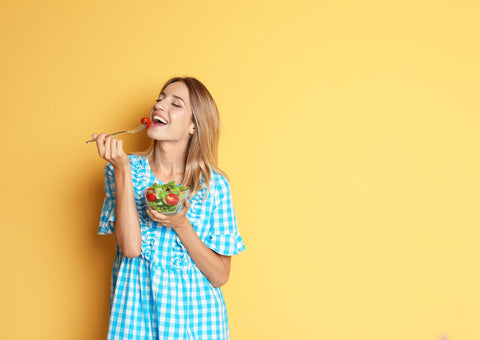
(113, 148)
(119, 147)
(186, 206)
(101, 144)
(158, 216)
(94, 135)
(108, 148)
(100, 137)
(151, 213)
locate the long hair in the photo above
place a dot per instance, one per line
(202, 152)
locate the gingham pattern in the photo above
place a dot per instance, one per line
(162, 294)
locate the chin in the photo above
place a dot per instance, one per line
(156, 135)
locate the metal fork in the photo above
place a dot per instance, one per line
(140, 128)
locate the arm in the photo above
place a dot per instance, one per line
(127, 225)
(214, 266)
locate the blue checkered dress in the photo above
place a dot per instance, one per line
(162, 294)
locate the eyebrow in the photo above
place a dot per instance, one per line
(174, 96)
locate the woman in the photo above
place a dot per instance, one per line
(168, 269)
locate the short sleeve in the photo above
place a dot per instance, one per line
(107, 217)
(224, 237)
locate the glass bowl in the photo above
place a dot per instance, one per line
(164, 201)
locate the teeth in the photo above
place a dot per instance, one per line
(160, 119)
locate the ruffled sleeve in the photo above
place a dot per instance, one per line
(224, 237)
(107, 217)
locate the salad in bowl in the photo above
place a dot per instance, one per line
(166, 198)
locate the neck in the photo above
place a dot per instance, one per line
(168, 160)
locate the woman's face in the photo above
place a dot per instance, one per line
(171, 115)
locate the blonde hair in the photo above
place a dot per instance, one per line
(202, 152)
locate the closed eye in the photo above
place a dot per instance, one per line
(160, 99)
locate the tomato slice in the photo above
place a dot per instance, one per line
(172, 199)
(146, 121)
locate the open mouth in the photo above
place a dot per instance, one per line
(159, 120)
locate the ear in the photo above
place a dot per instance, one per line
(191, 129)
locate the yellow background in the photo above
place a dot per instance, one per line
(350, 133)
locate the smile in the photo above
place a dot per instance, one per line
(159, 120)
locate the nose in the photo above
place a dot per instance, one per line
(159, 106)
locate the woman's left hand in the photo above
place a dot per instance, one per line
(172, 221)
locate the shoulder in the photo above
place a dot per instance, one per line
(219, 184)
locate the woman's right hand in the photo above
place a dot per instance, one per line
(111, 149)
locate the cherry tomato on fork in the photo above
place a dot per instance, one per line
(146, 121)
